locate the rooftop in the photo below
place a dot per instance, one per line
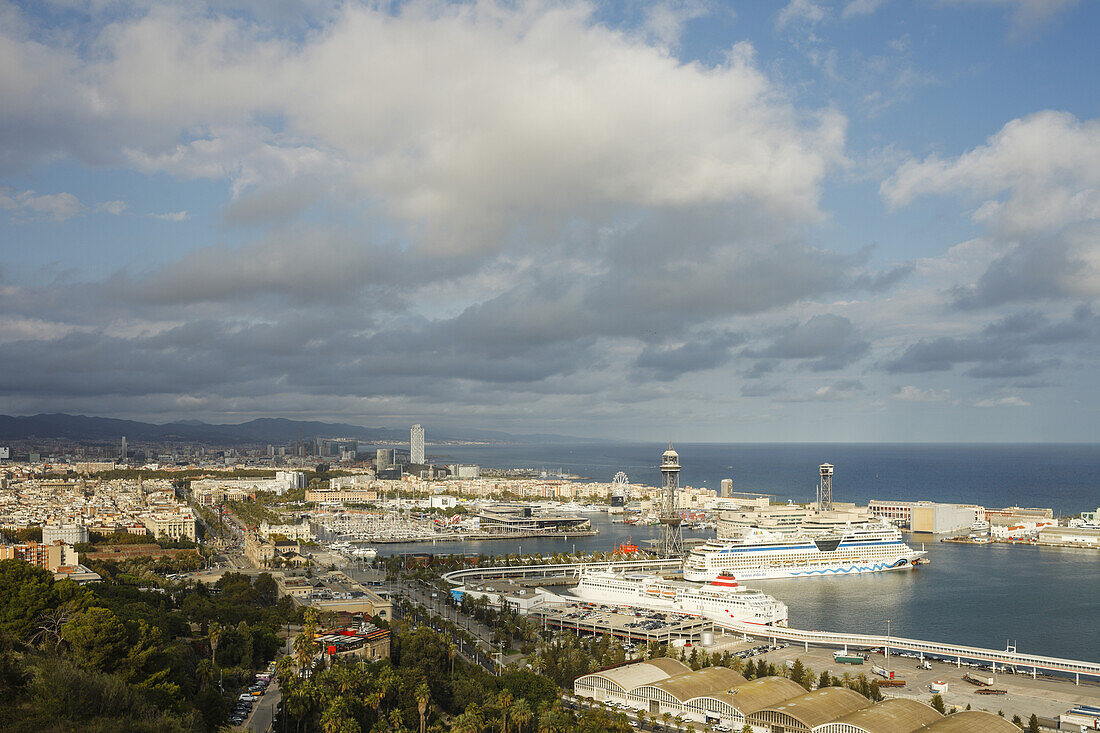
(972, 721)
(708, 682)
(822, 706)
(763, 693)
(896, 715)
(644, 673)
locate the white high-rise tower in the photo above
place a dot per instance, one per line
(416, 444)
(672, 534)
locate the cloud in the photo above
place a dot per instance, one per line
(447, 133)
(32, 206)
(909, 393)
(172, 216)
(841, 391)
(1026, 15)
(800, 12)
(668, 362)
(1035, 186)
(1014, 346)
(1009, 401)
(854, 8)
(115, 208)
(831, 341)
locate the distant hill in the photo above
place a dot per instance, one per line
(274, 430)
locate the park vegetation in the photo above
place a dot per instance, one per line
(131, 653)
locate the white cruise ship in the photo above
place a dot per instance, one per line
(758, 554)
(722, 599)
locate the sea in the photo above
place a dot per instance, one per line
(1042, 600)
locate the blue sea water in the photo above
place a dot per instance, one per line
(1045, 600)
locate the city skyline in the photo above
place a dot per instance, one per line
(836, 221)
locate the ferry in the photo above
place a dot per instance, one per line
(758, 554)
(720, 600)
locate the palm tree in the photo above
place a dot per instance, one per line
(423, 696)
(469, 721)
(504, 701)
(521, 714)
(666, 716)
(215, 634)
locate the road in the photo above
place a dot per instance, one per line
(264, 712)
(483, 653)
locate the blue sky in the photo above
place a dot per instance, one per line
(853, 220)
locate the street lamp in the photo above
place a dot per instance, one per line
(887, 647)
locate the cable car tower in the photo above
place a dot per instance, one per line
(825, 488)
(672, 534)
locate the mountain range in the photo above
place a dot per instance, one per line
(60, 426)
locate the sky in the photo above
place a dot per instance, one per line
(815, 220)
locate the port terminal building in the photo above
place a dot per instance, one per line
(928, 516)
(524, 519)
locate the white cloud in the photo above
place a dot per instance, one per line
(909, 393)
(461, 119)
(1009, 401)
(172, 216)
(804, 12)
(115, 208)
(1035, 187)
(28, 204)
(1025, 14)
(860, 7)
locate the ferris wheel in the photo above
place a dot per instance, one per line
(620, 480)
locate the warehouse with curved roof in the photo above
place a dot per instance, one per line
(704, 693)
(708, 695)
(615, 684)
(895, 715)
(972, 721)
(804, 713)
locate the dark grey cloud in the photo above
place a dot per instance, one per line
(669, 362)
(1013, 346)
(1036, 268)
(828, 342)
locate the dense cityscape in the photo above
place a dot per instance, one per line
(223, 592)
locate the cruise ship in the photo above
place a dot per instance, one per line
(721, 600)
(758, 554)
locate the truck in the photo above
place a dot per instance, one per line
(847, 659)
(925, 664)
(977, 679)
(890, 683)
(883, 672)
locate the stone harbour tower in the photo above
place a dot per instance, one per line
(672, 534)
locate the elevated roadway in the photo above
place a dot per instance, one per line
(521, 572)
(1004, 658)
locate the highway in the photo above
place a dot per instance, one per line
(957, 652)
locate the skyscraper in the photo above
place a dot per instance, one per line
(416, 444)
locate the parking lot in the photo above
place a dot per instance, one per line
(627, 625)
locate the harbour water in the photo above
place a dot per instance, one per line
(1045, 600)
